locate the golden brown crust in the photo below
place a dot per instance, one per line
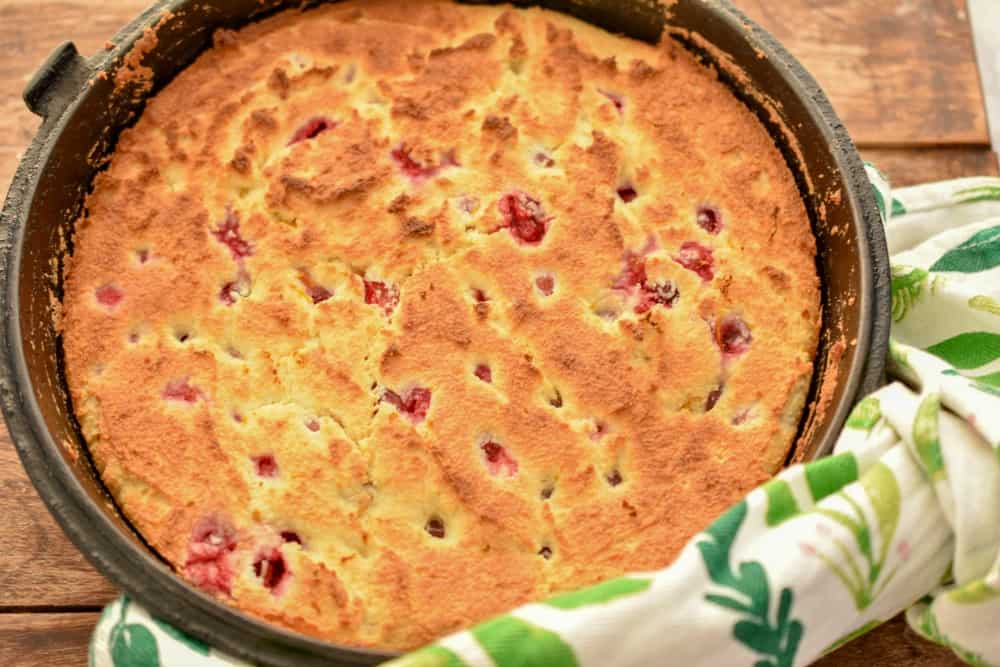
(500, 207)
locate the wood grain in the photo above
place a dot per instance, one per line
(52, 640)
(910, 166)
(891, 645)
(916, 111)
(38, 565)
(898, 71)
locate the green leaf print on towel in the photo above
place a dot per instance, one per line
(982, 193)
(989, 384)
(132, 644)
(511, 642)
(907, 286)
(985, 304)
(925, 436)
(749, 593)
(862, 580)
(980, 253)
(897, 208)
(974, 592)
(603, 592)
(968, 350)
(865, 414)
(431, 656)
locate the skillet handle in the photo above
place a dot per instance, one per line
(57, 81)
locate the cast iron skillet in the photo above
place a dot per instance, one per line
(84, 114)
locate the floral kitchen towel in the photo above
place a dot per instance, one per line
(904, 515)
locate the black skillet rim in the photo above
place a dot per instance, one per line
(159, 589)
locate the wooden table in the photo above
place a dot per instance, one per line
(901, 73)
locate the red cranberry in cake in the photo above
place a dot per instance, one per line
(468, 204)
(546, 284)
(109, 295)
(614, 478)
(523, 215)
(484, 373)
(435, 528)
(290, 536)
(316, 292)
(498, 460)
(228, 234)
(479, 295)
(181, 390)
(415, 170)
(693, 256)
(414, 403)
(545, 552)
(732, 335)
(208, 563)
(312, 128)
(633, 274)
(709, 218)
(384, 295)
(713, 398)
(543, 159)
(142, 255)
(615, 98)
(663, 293)
(269, 566)
(600, 429)
(233, 290)
(627, 193)
(312, 425)
(265, 466)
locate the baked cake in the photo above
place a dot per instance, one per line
(389, 316)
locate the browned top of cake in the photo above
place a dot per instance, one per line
(388, 316)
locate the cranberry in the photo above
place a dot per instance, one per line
(484, 373)
(627, 193)
(228, 234)
(662, 293)
(312, 128)
(468, 204)
(634, 272)
(713, 398)
(600, 429)
(698, 258)
(615, 98)
(109, 296)
(229, 293)
(546, 284)
(415, 170)
(237, 417)
(732, 335)
(414, 404)
(269, 566)
(479, 295)
(741, 417)
(545, 552)
(614, 478)
(142, 255)
(232, 291)
(312, 425)
(435, 528)
(710, 219)
(207, 566)
(266, 465)
(382, 294)
(318, 293)
(557, 400)
(543, 159)
(547, 492)
(289, 536)
(524, 217)
(498, 459)
(181, 390)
